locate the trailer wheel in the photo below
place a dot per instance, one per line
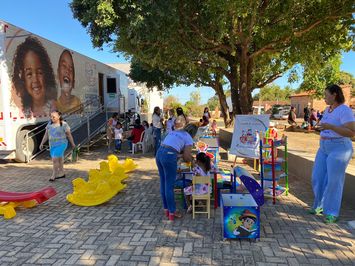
(22, 154)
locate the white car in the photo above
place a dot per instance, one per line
(283, 114)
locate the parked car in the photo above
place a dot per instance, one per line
(283, 115)
(282, 112)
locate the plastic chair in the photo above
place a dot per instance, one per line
(201, 180)
(148, 140)
(140, 143)
(202, 131)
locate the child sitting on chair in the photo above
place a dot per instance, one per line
(202, 168)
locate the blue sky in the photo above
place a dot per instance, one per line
(53, 20)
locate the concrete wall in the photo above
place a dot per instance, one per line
(300, 102)
(301, 166)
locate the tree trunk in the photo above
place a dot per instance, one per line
(246, 104)
(218, 87)
(234, 88)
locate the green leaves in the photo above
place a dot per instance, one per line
(250, 42)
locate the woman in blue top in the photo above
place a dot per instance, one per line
(337, 127)
(177, 143)
(57, 132)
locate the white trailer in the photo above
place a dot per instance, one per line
(134, 101)
(38, 76)
(142, 95)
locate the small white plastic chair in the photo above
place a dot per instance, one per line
(202, 131)
(139, 144)
(148, 140)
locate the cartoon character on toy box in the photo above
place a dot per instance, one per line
(241, 223)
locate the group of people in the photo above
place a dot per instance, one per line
(177, 145)
(205, 121)
(337, 127)
(155, 131)
(34, 82)
(116, 134)
(311, 117)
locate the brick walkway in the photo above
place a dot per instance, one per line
(131, 230)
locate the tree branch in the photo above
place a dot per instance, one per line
(214, 45)
(285, 40)
(268, 80)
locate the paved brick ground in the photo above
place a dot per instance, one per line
(131, 230)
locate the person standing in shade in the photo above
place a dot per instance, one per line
(118, 137)
(307, 113)
(111, 125)
(292, 117)
(170, 122)
(180, 113)
(58, 133)
(337, 127)
(177, 143)
(206, 113)
(157, 121)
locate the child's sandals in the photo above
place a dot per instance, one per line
(316, 211)
(189, 209)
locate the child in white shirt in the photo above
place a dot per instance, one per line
(118, 131)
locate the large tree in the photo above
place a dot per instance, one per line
(251, 43)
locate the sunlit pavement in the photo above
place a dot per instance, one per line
(131, 228)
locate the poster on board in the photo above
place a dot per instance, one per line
(245, 141)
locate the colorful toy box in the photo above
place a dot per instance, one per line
(240, 213)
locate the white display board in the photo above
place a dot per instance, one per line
(245, 141)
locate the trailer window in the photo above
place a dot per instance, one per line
(111, 85)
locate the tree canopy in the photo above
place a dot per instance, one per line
(250, 43)
(143, 73)
(274, 92)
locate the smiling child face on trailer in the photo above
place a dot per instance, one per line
(33, 77)
(66, 73)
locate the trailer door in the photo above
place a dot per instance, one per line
(101, 88)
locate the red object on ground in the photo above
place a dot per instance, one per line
(39, 196)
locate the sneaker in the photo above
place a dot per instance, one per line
(316, 211)
(330, 219)
(174, 215)
(166, 212)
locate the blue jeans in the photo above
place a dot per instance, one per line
(118, 144)
(166, 160)
(157, 139)
(328, 175)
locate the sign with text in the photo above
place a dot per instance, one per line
(245, 141)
